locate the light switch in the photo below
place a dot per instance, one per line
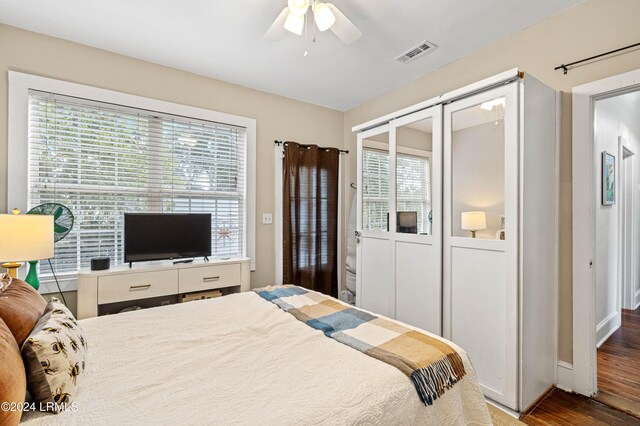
(267, 218)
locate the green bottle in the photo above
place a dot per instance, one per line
(32, 276)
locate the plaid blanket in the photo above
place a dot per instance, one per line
(431, 364)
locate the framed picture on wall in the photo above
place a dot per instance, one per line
(608, 179)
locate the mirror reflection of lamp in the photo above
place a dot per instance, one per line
(474, 221)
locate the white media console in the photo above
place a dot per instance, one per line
(156, 283)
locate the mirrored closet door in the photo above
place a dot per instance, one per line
(374, 290)
(480, 262)
(418, 228)
(399, 219)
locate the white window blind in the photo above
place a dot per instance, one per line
(375, 193)
(413, 191)
(414, 188)
(102, 160)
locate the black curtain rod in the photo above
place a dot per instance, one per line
(342, 151)
(565, 67)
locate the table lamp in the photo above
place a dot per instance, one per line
(474, 221)
(25, 237)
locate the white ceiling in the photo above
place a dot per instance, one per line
(223, 39)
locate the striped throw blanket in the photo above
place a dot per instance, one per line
(432, 365)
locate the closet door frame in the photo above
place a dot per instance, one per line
(510, 247)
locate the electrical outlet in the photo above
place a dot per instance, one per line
(267, 218)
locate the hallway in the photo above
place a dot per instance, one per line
(619, 366)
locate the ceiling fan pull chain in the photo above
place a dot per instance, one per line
(306, 35)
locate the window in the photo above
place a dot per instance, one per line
(413, 193)
(102, 159)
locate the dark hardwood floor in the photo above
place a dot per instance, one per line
(561, 408)
(619, 366)
(618, 400)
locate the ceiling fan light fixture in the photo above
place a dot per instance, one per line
(298, 7)
(294, 23)
(323, 16)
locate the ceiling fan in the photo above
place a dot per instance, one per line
(294, 17)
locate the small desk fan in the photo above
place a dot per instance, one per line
(62, 224)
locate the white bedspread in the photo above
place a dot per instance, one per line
(241, 360)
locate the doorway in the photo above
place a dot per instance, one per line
(616, 136)
(606, 241)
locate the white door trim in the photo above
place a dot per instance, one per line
(584, 203)
(627, 239)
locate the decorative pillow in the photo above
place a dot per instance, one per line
(20, 308)
(5, 280)
(54, 356)
(13, 384)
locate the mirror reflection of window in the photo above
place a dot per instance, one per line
(414, 143)
(478, 171)
(375, 184)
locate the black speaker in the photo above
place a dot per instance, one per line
(100, 263)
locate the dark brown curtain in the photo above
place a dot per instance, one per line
(310, 217)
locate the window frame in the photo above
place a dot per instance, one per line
(18, 148)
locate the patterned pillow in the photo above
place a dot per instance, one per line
(54, 357)
(5, 280)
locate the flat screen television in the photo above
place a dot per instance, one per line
(161, 236)
(406, 222)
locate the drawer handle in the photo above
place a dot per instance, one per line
(209, 279)
(140, 287)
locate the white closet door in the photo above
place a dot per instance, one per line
(480, 300)
(374, 269)
(417, 236)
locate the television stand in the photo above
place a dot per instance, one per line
(175, 262)
(147, 285)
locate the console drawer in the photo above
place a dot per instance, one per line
(209, 277)
(133, 286)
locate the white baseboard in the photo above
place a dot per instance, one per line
(607, 327)
(565, 376)
(501, 407)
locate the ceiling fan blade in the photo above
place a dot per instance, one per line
(276, 31)
(343, 27)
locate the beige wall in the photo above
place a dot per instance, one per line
(592, 27)
(277, 117)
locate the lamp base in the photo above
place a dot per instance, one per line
(12, 268)
(32, 276)
(473, 234)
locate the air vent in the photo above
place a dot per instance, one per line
(416, 52)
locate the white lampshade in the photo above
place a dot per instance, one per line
(298, 7)
(294, 23)
(324, 16)
(25, 237)
(474, 221)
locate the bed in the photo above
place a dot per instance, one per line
(240, 359)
